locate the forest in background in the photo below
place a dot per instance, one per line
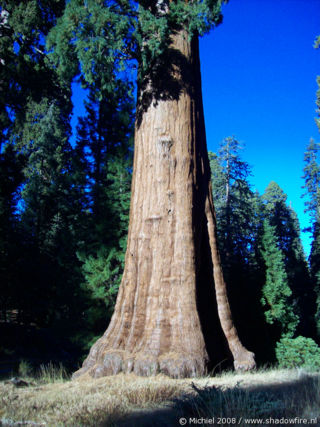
(64, 207)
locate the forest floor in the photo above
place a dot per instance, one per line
(262, 397)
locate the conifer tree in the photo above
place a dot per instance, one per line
(50, 215)
(287, 230)
(234, 207)
(105, 136)
(239, 219)
(172, 243)
(312, 203)
(315, 270)
(312, 180)
(33, 103)
(25, 72)
(312, 184)
(276, 290)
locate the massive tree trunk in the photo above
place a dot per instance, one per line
(158, 324)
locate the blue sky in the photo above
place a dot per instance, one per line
(259, 73)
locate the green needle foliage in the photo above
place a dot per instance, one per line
(312, 203)
(233, 202)
(42, 272)
(50, 212)
(64, 207)
(298, 352)
(99, 42)
(312, 180)
(262, 255)
(104, 144)
(25, 71)
(112, 35)
(239, 215)
(276, 291)
(287, 229)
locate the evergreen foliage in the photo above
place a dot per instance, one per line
(315, 269)
(312, 204)
(298, 352)
(239, 216)
(105, 140)
(25, 72)
(71, 199)
(50, 213)
(103, 35)
(234, 207)
(312, 180)
(64, 208)
(287, 229)
(103, 259)
(262, 254)
(276, 290)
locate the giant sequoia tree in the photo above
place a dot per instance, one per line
(162, 318)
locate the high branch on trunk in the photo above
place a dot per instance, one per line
(169, 310)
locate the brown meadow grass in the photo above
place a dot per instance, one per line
(128, 400)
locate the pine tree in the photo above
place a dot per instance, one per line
(239, 219)
(276, 290)
(234, 207)
(312, 204)
(25, 72)
(105, 134)
(287, 230)
(312, 180)
(315, 270)
(32, 98)
(50, 215)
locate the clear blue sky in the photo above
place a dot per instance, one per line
(259, 73)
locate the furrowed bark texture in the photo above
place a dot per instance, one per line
(157, 325)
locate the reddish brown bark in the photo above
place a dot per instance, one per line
(156, 325)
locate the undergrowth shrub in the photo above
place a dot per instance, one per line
(297, 352)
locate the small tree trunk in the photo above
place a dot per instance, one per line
(156, 325)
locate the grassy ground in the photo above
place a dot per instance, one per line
(274, 397)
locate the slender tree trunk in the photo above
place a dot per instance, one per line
(157, 325)
(228, 209)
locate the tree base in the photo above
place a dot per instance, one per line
(172, 364)
(244, 361)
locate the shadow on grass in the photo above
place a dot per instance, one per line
(275, 403)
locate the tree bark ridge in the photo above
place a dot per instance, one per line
(156, 325)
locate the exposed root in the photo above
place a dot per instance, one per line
(245, 361)
(172, 364)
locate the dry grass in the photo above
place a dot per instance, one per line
(278, 397)
(161, 401)
(85, 401)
